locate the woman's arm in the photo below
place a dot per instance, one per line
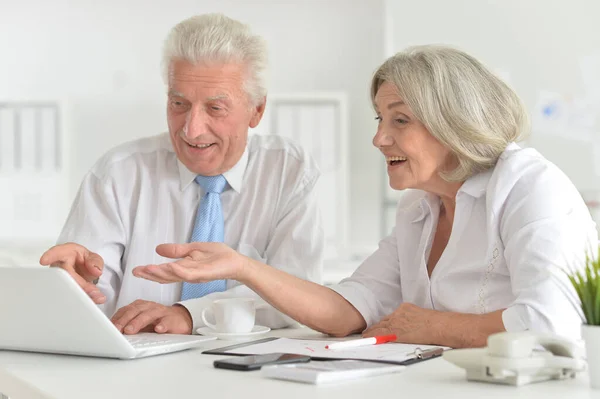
(313, 305)
(546, 230)
(316, 306)
(412, 324)
(373, 291)
(464, 330)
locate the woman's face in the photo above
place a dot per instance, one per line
(414, 157)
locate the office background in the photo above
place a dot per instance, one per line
(79, 77)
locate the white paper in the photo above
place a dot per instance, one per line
(329, 371)
(316, 348)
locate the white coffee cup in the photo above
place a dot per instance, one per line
(231, 315)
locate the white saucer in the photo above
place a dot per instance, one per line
(256, 331)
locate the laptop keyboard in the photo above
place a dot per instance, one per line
(144, 342)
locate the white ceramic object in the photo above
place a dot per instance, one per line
(591, 337)
(231, 315)
(256, 332)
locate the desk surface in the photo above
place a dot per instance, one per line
(191, 374)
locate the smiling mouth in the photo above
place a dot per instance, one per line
(199, 145)
(391, 161)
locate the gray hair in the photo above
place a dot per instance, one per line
(215, 38)
(459, 101)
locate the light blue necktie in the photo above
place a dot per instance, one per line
(208, 227)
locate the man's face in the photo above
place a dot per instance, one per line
(209, 113)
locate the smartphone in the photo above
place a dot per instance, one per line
(255, 362)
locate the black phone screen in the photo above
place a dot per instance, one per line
(255, 362)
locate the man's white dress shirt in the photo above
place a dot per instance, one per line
(516, 228)
(139, 195)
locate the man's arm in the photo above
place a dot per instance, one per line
(95, 224)
(84, 266)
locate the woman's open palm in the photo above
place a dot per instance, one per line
(199, 262)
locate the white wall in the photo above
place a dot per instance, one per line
(103, 59)
(539, 44)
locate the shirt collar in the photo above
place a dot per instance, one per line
(417, 210)
(425, 206)
(475, 186)
(234, 176)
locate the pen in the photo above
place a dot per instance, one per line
(382, 339)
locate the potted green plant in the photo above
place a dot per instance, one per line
(587, 284)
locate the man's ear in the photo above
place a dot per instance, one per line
(258, 112)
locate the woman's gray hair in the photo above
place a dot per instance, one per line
(461, 103)
(215, 38)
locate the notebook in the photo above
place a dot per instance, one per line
(395, 353)
(321, 372)
(44, 310)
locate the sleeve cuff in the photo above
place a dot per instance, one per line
(362, 299)
(195, 308)
(513, 318)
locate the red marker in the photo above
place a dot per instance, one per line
(382, 339)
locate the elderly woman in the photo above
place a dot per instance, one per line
(481, 240)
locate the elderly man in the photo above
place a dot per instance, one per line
(204, 181)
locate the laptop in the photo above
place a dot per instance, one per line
(42, 309)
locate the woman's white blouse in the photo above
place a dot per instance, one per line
(516, 228)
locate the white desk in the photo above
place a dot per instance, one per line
(190, 374)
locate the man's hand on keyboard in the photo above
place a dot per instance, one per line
(145, 316)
